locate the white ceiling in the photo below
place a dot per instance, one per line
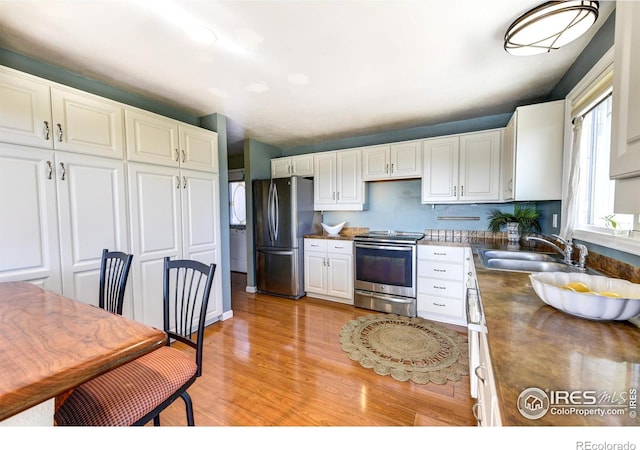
(292, 73)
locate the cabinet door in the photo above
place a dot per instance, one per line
(480, 166)
(440, 170)
(324, 179)
(280, 167)
(508, 159)
(92, 214)
(200, 200)
(375, 163)
(152, 138)
(87, 124)
(315, 272)
(29, 249)
(302, 165)
(156, 232)
(198, 149)
(340, 275)
(625, 127)
(349, 186)
(406, 160)
(25, 110)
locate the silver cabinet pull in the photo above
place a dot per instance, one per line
(183, 156)
(49, 170)
(386, 170)
(46, 130)
(474, 410)
(477, 372)
(177, 155)
(184, 182)
(461, 191)
(454, 190)
(179, 182)
(391, 167)
(59, 132)
(338, 195)
(64, 172)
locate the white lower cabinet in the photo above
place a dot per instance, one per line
(56, 241)
(174, 213)
(442, 283)
(486, 410)
(328, 269)
(29, 241)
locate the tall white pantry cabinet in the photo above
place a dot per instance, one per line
(70, 186)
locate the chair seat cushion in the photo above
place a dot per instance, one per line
(127, 393)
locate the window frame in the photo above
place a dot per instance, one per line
(589, 233)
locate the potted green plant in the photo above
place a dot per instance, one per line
(523, 219)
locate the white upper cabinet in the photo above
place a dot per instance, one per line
(38, 113)
(155, 139)
(85, 123)
(301, 165)
(462, 169)
(533, 145)
(198, 148)
(337, 181)
(440, 170)
(399, 160)
(25, 110)
(625, 127)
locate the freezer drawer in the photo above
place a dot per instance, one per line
(279, 272)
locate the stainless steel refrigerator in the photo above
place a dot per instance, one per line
(283, 214)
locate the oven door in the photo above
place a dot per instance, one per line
(385, 268)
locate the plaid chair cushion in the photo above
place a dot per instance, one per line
(125, 394)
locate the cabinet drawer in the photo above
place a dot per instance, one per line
(345, 247)
(315, 245)
(441, 253)
(441, 288)
(443, 270)
(438, 305)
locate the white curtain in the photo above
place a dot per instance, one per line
(570, 206)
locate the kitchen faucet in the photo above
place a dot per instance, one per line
(568, 246)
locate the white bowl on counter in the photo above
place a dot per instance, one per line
(333, 230)
(594, 298)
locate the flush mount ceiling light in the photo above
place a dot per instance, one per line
(549, 27)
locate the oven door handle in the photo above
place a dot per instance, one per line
(390, 298)
(384, 247)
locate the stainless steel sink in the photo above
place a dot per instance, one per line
(524, 255)
(522, 261)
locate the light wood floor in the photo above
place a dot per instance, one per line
(279, 362)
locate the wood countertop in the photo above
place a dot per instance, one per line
(50, 344)
(534, 345)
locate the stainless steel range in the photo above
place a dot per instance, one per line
(385, 271)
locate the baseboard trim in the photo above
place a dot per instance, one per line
(251, 289)
(226, 315)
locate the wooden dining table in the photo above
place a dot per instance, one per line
(50, 344)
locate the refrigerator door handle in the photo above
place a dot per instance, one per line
(277, 212)
(270, 212)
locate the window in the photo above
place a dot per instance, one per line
(588, 205)
(237, 205)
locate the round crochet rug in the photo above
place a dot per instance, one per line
(407, 348)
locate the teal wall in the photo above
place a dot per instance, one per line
(218, 123)
(396, 205)
(257, 166)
